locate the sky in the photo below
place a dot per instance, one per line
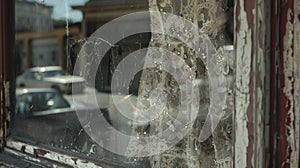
(61, 8)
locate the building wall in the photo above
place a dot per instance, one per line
(107, 11)
(33, 17)
(44, 49)
(45, 52)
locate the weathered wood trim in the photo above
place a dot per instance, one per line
(243, 45)
(274, 82)
(261, 68)
(288, 120)
(250, 92)
(7, 75)
(42, 155)
(296, 153)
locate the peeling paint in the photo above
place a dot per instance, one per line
(25, 156)
(251, 51)
(296, 71)
(40, 154)
(260, 68)
(7, 106)
(5, 113)
(288, 60)
(242, 97)
(6, 51)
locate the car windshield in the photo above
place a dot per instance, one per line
(41, 101)
(53, 73)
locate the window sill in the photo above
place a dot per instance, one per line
(36, 155)
(11, 161)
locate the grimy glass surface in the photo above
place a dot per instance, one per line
(60, 94)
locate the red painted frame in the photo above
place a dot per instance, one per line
(280, 151)
(284, 104)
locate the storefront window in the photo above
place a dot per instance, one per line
(139, 83)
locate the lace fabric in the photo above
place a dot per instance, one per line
(211, 18)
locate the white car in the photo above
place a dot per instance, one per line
(51, 77)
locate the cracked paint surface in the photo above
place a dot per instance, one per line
(250, 82)
(292, 79)
(261, 51)
(41, 153)
(289, 105)
(242, 97)
(288, 60)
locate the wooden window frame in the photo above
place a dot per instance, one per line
(267, 88)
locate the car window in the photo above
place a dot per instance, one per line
(53, 73)
(33, 75)
(36, 102)
(55, 101)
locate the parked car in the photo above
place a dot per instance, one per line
(51, 77)
(44, 115)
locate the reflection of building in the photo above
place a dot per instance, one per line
(42, 49)
(33, 17)
(38, 42)
(98, 12)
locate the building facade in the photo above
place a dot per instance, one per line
(96, 14)
(39, 42)
(33, 17)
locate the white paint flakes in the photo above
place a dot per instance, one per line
(288, 60)
(242, 97)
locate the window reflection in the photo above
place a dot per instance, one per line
(49, 93)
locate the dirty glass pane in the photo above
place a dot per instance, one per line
(139, 83)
